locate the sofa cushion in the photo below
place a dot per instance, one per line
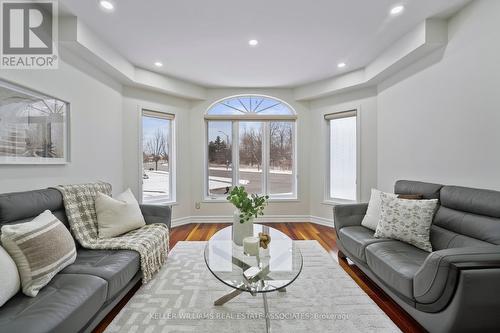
(427, 190)
(356, 238)
(66, 304)
(395, 263)
(471, 200)
(117, 267)
(445, 239)
(469, 212)
(23, 205)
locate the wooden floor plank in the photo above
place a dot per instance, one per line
(299, 231)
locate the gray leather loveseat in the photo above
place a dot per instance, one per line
(81, 295)
(455, 288)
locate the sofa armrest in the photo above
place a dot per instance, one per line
(157, 214)
(348, 215)
(435, 281)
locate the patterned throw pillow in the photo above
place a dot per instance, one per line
(40, 248)
(406, 220)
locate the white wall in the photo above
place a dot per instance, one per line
(293, 210)
(366, 103)
(441, 124)
(134, 100)
(436, 121)
(96, 119)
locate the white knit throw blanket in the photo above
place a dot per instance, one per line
(150, 241)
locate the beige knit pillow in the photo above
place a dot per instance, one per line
(116, 216)
(40, 248)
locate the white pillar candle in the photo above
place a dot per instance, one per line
(251, 245)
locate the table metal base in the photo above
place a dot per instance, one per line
(226, 298)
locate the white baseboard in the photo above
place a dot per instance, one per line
(181, 221)
(322, 221)
(266, 218)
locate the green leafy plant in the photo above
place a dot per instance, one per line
(249, 205)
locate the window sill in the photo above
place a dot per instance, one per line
(333, 202)
(271, 200)
(168, 203)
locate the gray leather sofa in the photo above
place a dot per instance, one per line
(455, 288)
(81, 295)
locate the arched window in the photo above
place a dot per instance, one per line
(251, 142)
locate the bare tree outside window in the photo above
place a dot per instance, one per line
(281, 158)
(250, 152)
(220, 174)
(156, 155)
(156, 147)
(263, 131)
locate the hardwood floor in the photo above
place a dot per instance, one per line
(299, 231)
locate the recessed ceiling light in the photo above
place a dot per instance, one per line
(341, 65)
(397, 10)
(107, 5)
(253, 42)
(158, 64)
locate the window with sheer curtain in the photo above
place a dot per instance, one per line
(343, 164)
(251, 142)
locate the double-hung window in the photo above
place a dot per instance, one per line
(251, 143)
(343, 156)
(158, 154)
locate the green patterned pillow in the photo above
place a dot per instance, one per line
(406, 220)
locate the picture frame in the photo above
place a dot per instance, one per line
(34, 127)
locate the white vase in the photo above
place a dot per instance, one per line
(241, 230)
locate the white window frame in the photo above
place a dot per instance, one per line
(266, 149)
(173, 158)
(337, 115)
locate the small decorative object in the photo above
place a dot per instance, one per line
(248, 208)
(252, 273)
(251, 246)
(33, 127)
(264, 240)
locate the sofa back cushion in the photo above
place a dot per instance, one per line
(411, 187)
(19, 207)
(466, 217)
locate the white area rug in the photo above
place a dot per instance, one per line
(180, 299)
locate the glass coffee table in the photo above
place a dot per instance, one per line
(272, 270)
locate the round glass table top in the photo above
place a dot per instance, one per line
(274, 268)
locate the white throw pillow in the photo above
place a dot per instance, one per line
(407, 220)
(9, 277)
(372, 216)
(117, 216)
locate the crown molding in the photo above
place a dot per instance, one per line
(421, 41)
(424, 39)
(76, 37)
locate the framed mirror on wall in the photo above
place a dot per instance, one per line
(34, 127)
